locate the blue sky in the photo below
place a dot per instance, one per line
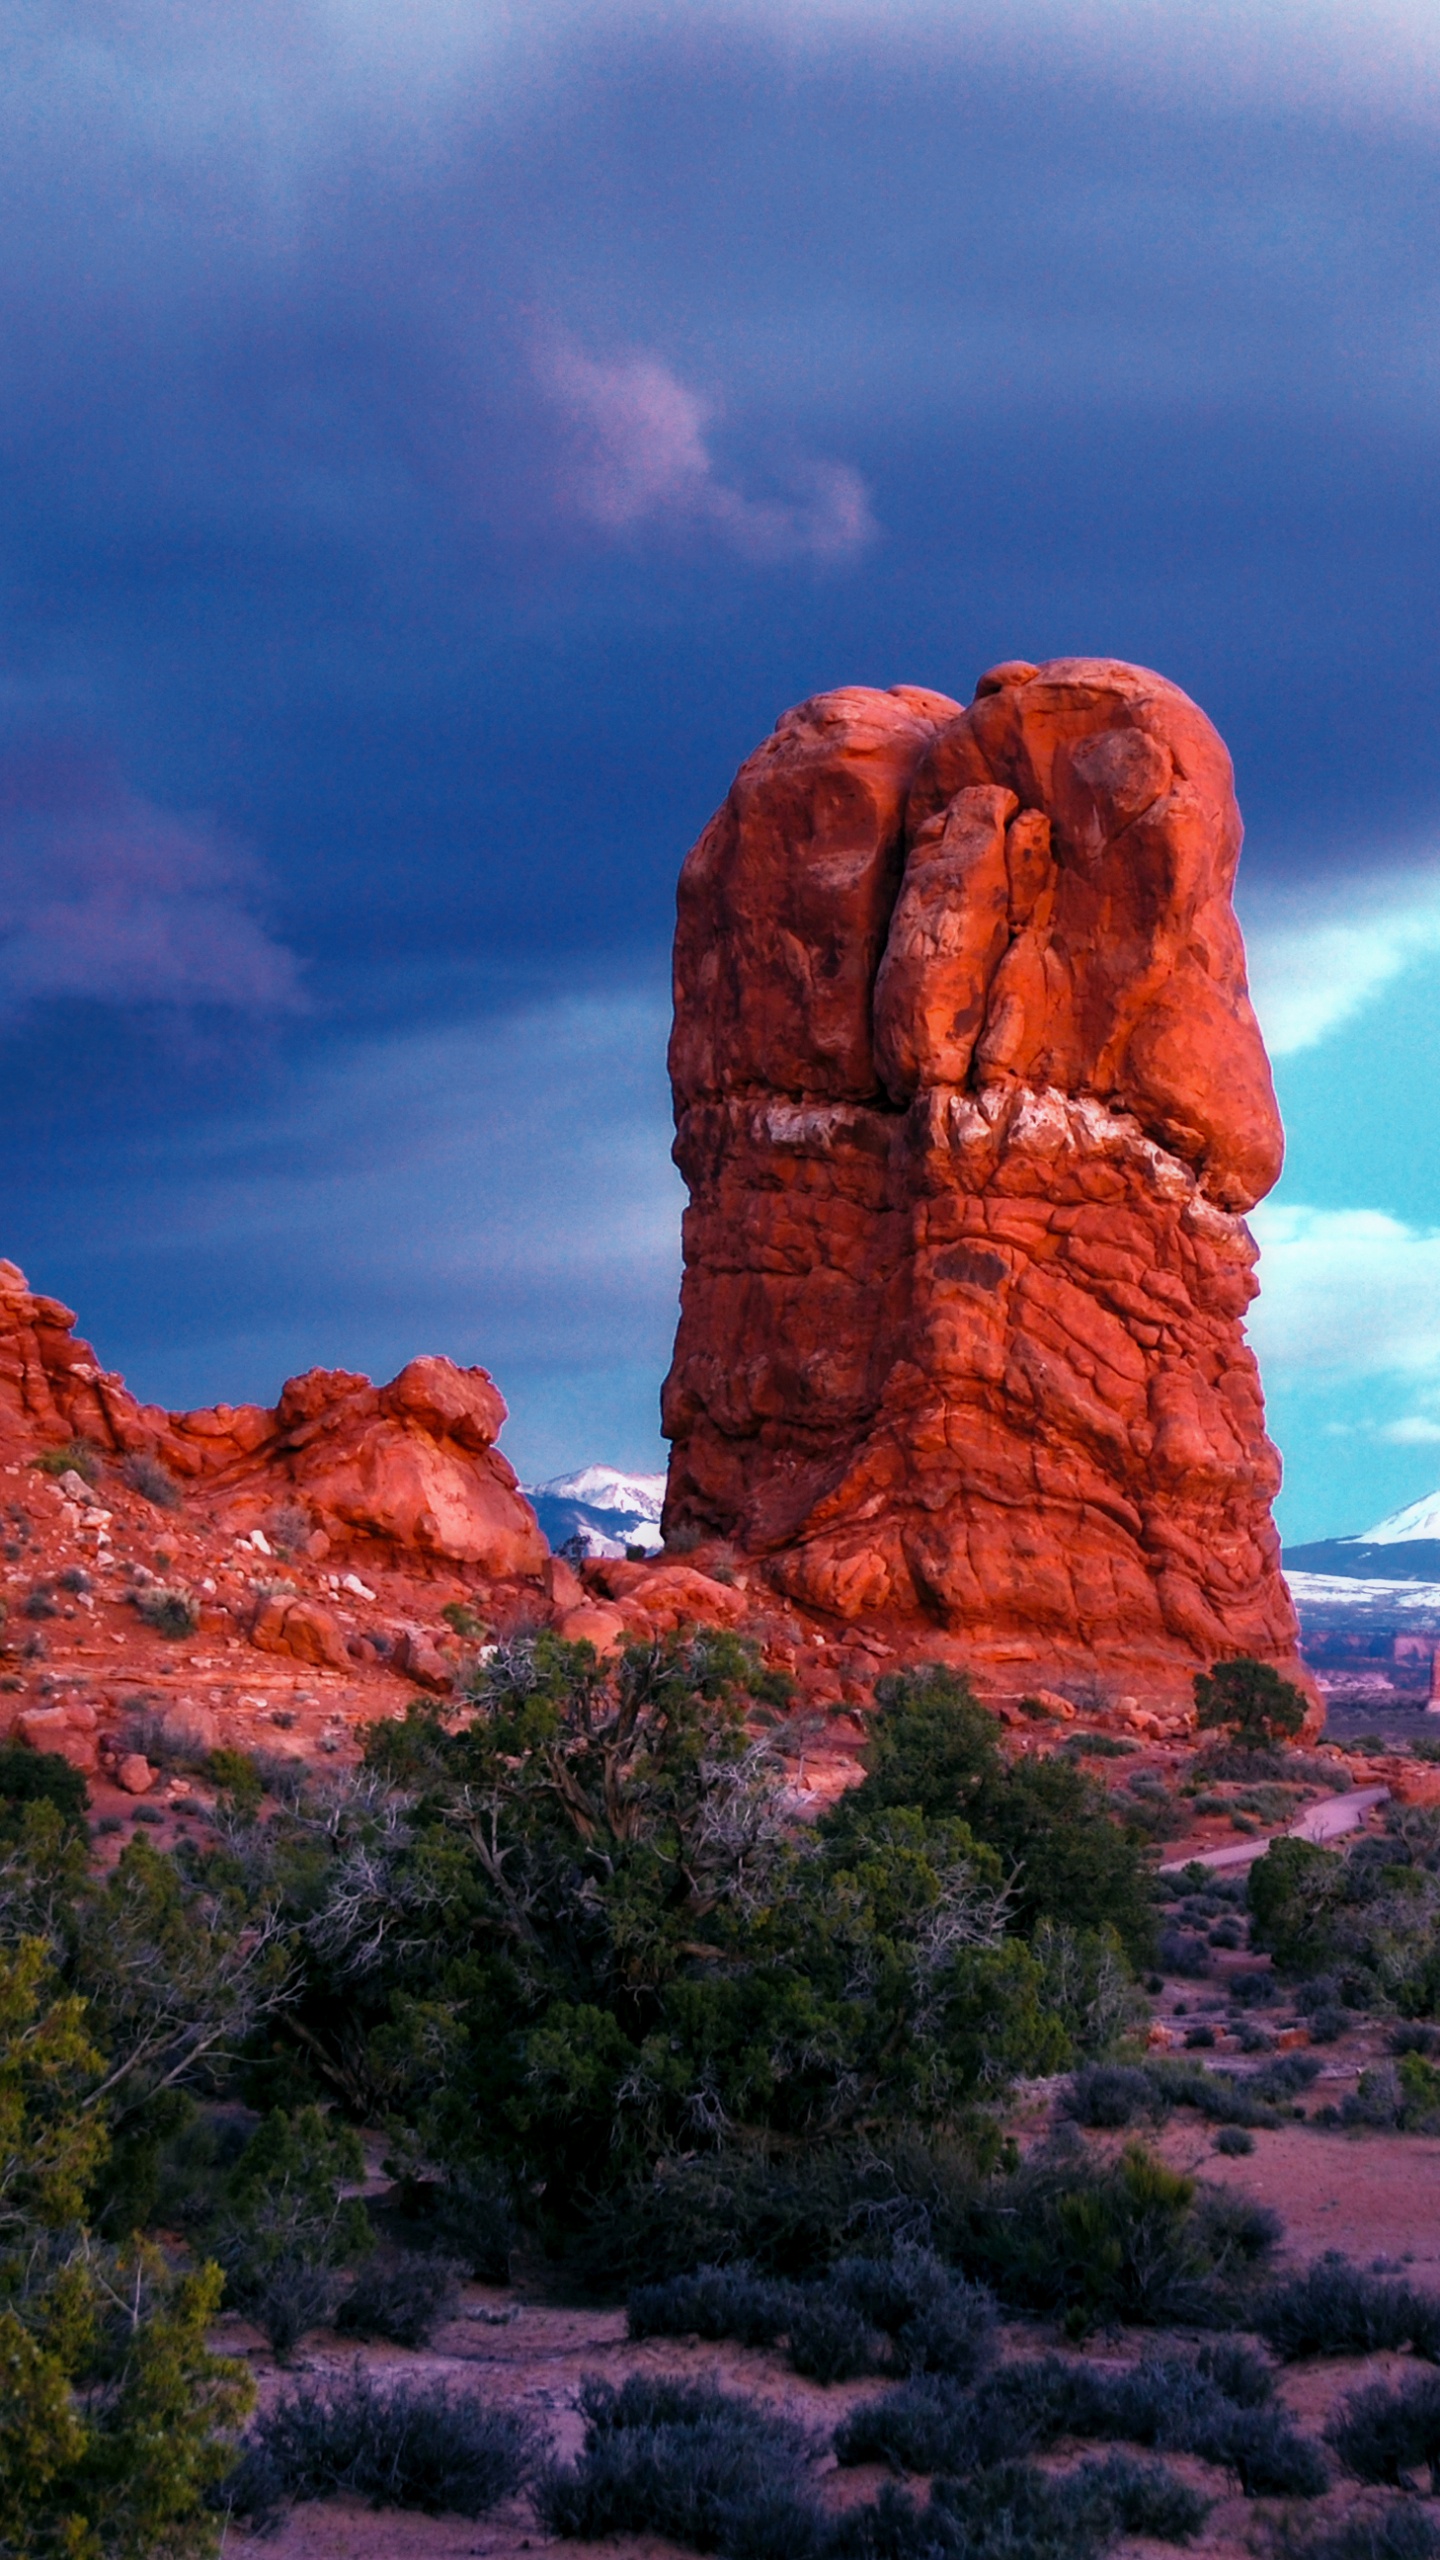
(439, 441)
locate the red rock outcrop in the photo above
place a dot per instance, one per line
(970, 1100)
(409, 1470)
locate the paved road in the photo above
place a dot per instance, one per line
(1327, 1820)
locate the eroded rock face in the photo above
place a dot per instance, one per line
(970, 1100)
(410, 1468)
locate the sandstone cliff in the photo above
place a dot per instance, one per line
(408, 1472)
(971, 1100)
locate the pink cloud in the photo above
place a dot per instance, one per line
(105, 897)
(640, 455)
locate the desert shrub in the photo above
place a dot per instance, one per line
(1016, 2513)
(1250, 1701)
(287, 2301)
(1233, 2142)
(1327, 2026)
(169, 1608)
(404, 2297)
(1334, 2308)
(1285, 2077)
(1215, 2095)
(1415, 2037)
(1370, 1922)
(39, 1601)
(829, 2341)
(1127, 2496)
(288, 1528)
(903, 2312)
(283, 2228)
(1182, 1952)
(1384, 2434)
(151, 1478)
(411, 2443)
(1375, 2102)
(696, 2465)
(1399, 2532)
(473, 2219)
(1109, 2096)
(1172, 2405)
(935, 2322)
(1419, 2086)
(39, 1777)
(1238, 2371)
(1256, 1990)
(714, 2302)
(791, 2216)
(236, 1774)
(463, 1621)
(76, 1457)
(1129, 2240)
(928, 2425)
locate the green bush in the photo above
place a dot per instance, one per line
(74, 1457)
(39, 1777)
(284, 2227)
(113, 2412)
(625, 1948)
(168, 1608)
(1250, 1701)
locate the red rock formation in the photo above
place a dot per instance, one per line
(409, 1470)
(970, 1100)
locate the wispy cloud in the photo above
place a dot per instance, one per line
(640, 455)
(1345, 1293)
(105, 897)
(1316, 961)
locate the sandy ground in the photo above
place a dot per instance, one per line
(1374, 2196)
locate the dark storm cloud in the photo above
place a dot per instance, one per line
(439, 441)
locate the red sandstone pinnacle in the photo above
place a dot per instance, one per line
(969, 1098)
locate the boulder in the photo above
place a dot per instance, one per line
(596, 1622)
(417, 1657)
(50, 1729)
(135, 1774)
(302, 1629)
(971, 1100)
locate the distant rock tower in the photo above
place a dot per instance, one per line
(971, 1101)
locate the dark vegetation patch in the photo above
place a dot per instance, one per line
(1389, 2435)
(565, 1940)
(1019, 2513)
(405, 2298)
(1334, 2308)
(408, 2443)
(697, 2465)
(1222, 2412)
(902, 2313)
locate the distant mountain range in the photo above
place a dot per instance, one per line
(607, 1510)
(1403, 1547)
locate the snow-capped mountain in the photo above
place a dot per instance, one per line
(1418, 1520)
(1403, 1547)
(607, 1510)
